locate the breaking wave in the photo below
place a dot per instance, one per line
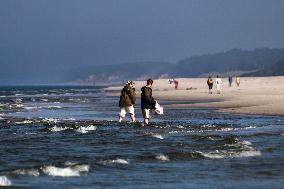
(85, 129)
(158, 136)
(162, 157)
(115, 161)
(73, 171)
(70, 170)
(237, 150)
(4, 181)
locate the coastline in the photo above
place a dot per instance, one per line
(255, 95)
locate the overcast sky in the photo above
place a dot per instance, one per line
(41, 41)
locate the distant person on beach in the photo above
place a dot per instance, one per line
(218, 84)
(127, 101)
(230, 81)
(175, 82)
(238, 80)
(210, 84)
(147, 101)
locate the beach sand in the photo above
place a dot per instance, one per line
(255, 95)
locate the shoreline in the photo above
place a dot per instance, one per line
(254, 96)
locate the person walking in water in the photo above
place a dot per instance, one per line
(147, 101)
(218, 84)
(210, 84)
(238, 80)
(127, 101)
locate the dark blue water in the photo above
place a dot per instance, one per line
(68, 137)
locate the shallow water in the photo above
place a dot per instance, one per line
(68, 137)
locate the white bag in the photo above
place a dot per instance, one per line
(159, 110)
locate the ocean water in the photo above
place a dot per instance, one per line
(68, 137)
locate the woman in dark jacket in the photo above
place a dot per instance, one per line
(147, 100)
(127, 101)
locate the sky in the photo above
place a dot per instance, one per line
(44, 41)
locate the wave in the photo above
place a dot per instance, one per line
(54, 107)
(73, 171)
(70, 170)
(237, 150)
(57, 129)
(4, 181)
(85, 129)
(52, 120)
(81, 129)
(162, 157)
(220, 154)
(115, 161)
(29, 172)
(158, 136)
(32, 107)
(24, 122)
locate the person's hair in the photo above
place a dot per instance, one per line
(217, 76)
(209, 76)
(150, 82)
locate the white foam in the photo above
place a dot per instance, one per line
(250, 127)
(162, 157)
(54, 107)
(57, 129)
(246, 150)
(67, 171)
(30, 133)
(180, 127)
(18, 105)
(50, 120)
(32, 107)
(81, 130)
(4, 181)
(69, 119)
(219, 154)
(85, 129)
(158, 136)
(29, 172)
(115, 161)
(24, 122)
(119, 161)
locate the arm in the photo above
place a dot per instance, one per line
(132, 95)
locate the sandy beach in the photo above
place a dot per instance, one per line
(255, 95)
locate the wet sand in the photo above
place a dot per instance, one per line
(255, 95)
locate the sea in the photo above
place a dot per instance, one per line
(69, 137)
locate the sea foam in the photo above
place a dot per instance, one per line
(162, 157)
(73, 171)
(4, 181)
(85, 129)
(115, 161)
(158, 136)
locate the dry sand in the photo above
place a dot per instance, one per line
(255, 95)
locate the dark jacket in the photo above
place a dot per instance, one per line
(147, 100)
(210, 82)
(127, 96)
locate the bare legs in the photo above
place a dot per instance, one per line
(132, 116)
(146, 121)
